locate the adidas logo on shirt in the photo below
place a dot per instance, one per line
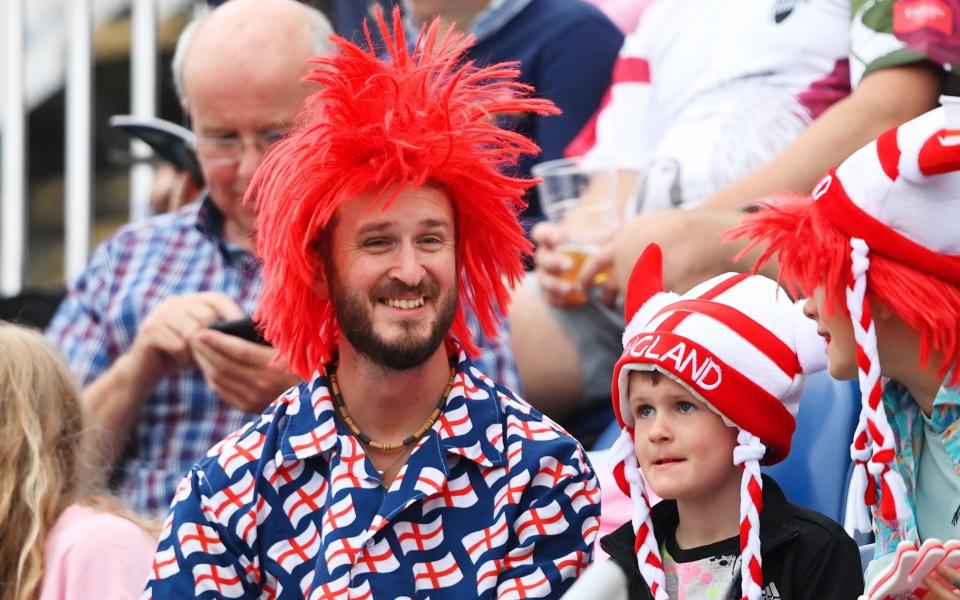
(771, 592)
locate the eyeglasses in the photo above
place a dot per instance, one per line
(228, 150)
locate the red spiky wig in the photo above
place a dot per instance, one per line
(813, 251)
(419, 117)
(880, 227)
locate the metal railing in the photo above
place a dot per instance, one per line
(79, 171)
(13, 173)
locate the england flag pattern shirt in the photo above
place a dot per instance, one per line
(495, 501)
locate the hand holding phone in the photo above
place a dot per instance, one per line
(241, 328)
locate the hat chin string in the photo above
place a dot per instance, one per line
(748, 454)
(872, 449)
(645, 545)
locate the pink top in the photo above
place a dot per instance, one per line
(95, 555)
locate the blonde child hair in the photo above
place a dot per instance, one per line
(42, 459)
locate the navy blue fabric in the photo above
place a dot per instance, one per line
(495, 501)
(566, 50)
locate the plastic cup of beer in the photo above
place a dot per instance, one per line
(581, 196)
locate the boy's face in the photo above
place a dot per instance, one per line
(684, 449)
(833, 323)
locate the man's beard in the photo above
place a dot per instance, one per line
(404, 352)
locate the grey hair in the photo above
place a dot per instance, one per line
(320, 32)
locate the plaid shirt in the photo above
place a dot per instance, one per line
(126, 278)
(494, 501)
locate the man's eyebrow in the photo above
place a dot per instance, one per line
(217, 132)
(435, 223)
(374, 227)
(382, 226)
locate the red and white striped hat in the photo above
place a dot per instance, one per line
(741, 346)
(889, 214)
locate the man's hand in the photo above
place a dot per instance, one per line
(162, 342)
(161, 346)
(553, 267)
(598, 270)
(243, 374)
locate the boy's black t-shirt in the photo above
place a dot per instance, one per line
(806, 556)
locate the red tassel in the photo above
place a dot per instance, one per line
(744, 533)
(755, 572)
(870, 494)
(888, 505)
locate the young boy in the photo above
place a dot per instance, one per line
(878, 247)
(706, 390)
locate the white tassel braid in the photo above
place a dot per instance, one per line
(860, 452)
(873, 428)
(648, 553)
(748, 453)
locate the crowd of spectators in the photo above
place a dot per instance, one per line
(720, 121)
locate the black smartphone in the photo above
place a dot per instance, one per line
(241, 328)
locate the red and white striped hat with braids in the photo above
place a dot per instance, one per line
(741, 346)
(884, 223)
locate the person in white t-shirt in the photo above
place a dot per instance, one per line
(703, 93)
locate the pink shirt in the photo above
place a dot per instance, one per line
(95, 555)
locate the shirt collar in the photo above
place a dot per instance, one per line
(470, 426)
(487, 23)
(209, 218)
(209, 222)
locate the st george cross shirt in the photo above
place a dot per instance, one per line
(495, 501)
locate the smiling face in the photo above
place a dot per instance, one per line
(683, 448)
(833, 323)
(392, 275)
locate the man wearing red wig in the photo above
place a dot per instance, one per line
(397, 469)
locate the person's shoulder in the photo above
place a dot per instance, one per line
(818, 528)
(549, 20)
(576, 17)
(251, 447)
(164, 226)
(525, 422)
(811, 519)
(619, 543)
(526, 432)
(571, 11)
(96, 530)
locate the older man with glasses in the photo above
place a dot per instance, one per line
(135, 326)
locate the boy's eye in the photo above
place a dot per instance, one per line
(686, 407)
(644, 411)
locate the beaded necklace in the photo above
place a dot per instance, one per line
(383, 446)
